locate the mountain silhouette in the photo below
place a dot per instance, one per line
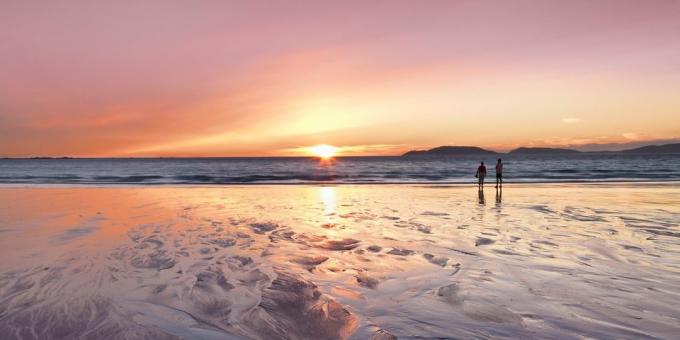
(449, 151)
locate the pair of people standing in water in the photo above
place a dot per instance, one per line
(481, 174)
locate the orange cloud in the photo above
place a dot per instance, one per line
(227, 78)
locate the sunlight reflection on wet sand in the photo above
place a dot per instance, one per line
(340, 261)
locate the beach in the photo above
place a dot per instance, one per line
(340, 261)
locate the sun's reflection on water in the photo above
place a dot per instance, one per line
(328, 200)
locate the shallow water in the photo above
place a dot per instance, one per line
(314, 262)
(588, 167)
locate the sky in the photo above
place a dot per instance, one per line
(252, 78)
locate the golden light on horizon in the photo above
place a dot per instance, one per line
(324, 151)
(381, 88)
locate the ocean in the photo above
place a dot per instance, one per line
(298, 170)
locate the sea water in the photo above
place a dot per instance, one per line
(268, 170)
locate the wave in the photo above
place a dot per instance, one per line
(258, 179)
(360, 170)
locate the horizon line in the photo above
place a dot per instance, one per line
(339, 156)
(631, 145)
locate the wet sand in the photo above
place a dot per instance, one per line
(314, 262)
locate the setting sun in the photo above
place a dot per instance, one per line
(324, 151)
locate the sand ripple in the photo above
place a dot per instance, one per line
(372, 263)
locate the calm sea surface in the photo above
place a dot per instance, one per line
(578, 168)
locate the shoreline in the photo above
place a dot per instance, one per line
(596, 260)
(488, 185)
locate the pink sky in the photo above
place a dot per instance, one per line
(212, 78)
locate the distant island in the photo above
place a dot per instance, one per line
(656, 149)
(456, 151)
(451, 151)
(542, 151)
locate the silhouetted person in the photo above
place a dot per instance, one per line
(499, 173)
(481, 173)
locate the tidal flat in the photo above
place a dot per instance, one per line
(555, 261)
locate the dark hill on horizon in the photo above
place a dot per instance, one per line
(448, 151)
(542, 151)
(656, 149)
(451, 151)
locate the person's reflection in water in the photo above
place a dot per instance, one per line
(481, 196)
(499, 196)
